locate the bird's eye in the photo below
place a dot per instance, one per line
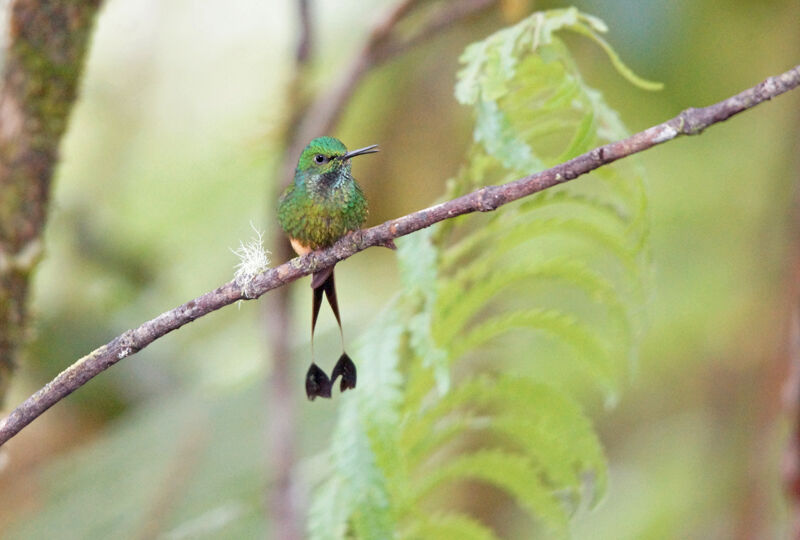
(319, 158)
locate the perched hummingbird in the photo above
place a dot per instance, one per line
(323, 204)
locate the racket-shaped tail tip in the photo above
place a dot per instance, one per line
(347, 370)
(317, 383)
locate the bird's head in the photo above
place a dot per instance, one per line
(327, 155)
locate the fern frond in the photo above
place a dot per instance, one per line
(512, 232)
(544, 423)
(510, 472)
(589, 348)
(484, 281)
(556, 277)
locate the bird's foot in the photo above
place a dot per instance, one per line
(347, 369)
(317, 383)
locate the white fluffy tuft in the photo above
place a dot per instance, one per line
(254, 259)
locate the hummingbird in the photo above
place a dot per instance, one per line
(322, 204)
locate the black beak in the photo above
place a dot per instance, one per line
(371, 149)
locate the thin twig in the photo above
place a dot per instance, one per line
(689, 122)
(322, 114)
(379, 47)
(306, 34)
(319, 117)
(438, 21)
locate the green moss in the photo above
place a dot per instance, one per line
(42, 72)
(50, 63)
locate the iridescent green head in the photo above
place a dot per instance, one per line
(329, 155)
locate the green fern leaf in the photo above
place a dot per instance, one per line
(453, 386)
(546, 425)
(418, 266)
(511, 472)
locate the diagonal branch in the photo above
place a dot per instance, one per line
(690, 122)
(380, 46)
(437, 22)
(324, 111)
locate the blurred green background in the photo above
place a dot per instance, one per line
(170, 157)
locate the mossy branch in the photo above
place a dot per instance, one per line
(47, 46)
(689, 122)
